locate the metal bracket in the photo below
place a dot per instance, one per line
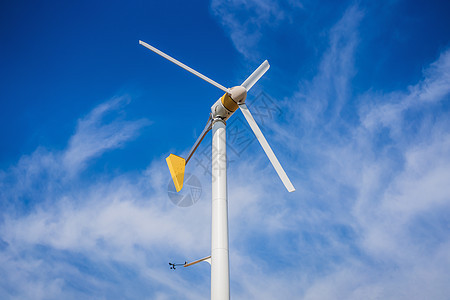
(186, 264)
(207, 259)
(218, 119)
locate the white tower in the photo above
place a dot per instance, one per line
(220, 270)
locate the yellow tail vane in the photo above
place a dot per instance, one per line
(176, 166)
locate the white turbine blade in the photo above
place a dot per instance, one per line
(262, 140)
(180, 64)
(252, 79)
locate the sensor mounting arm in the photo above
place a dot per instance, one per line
(200, 139)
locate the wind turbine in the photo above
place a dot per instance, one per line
(221, 110)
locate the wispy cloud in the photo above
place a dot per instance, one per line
(331, 87)
(95, 135)
(45, 170)
(246, 20)
(391, 108)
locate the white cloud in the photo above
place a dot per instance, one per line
(437, 82)
(330, 89)
(245, 20)
(101, 130)
(94, 135)
(388, 110)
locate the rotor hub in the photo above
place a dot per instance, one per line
(238, 94)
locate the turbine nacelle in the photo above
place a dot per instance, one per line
(226, 105)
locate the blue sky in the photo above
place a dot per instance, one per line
(355, 105)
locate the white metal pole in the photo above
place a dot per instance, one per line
(220, 272)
